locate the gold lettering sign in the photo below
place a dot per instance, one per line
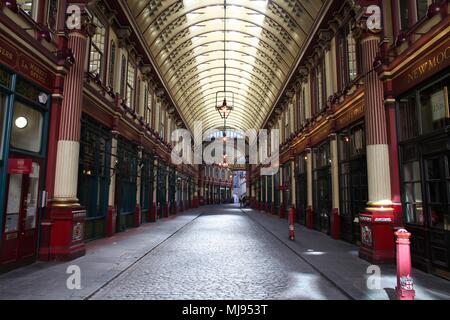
(8, 55)
(429, 65)
(35, 72)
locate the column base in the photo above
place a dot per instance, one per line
(152, 213)
(111, 223)
(137, 216)
(309, 218)
(335, 224)
(377, 236)
(64, 233)
(282, 211)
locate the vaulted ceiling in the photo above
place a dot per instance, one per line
(186, 40)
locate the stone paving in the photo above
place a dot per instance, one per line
(105, 259)
(338, 261)
(215, 252)
(221, 255)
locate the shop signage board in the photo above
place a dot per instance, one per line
(20, 166)
(25, 65)
(425, 66)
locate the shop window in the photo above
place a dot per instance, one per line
(30, 7)
(112, 64)
(425, 111)
(97, 47)
(131, 73)
(412, 186)
(52, 14)
(5, 78)
(408, 118)
(27, 128)
(434, 102)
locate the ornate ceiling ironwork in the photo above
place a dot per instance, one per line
(264, 39)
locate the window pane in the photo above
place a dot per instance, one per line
(28, 6)
(27, 128)
(409, 124)
(404, 14)
(352, 63)
(97, 48)
(2, 122)
(422, 8)
(434, 107)
(52, 14)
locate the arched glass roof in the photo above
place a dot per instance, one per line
(264, 39)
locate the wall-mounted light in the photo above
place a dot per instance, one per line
(21, 122)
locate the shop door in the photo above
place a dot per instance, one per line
(22, 211)
(354, 197)
(323, 201)
(437, 196)
(302, 198)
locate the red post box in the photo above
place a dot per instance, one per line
(405, 285)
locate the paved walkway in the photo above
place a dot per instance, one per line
(338, 261)
(222, 255)
(214, 252)
(105, 260)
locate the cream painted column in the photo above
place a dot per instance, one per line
(293, 185)
(376, 129)
(281, 183)
(112, 184)
(334, 170)
(139, 180)
(68, 152)
(155, 181)
(309, 177)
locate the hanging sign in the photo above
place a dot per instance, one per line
(20, 166)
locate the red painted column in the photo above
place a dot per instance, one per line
(377, 242)
(66, 235)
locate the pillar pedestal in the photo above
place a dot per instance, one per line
(65, 234)
(377, 235)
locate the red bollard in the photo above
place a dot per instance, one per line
(291, 218)
(405, 285)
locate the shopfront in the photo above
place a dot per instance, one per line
(126, 183)
(161, 191)
(322, 187)
(24, 122)
(424, 149)
(147, 180)
(287, 188)
(302, 188)
(94, 175)
(352, 180)
(276, 193)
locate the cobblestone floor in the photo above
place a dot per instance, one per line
(221, 255)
